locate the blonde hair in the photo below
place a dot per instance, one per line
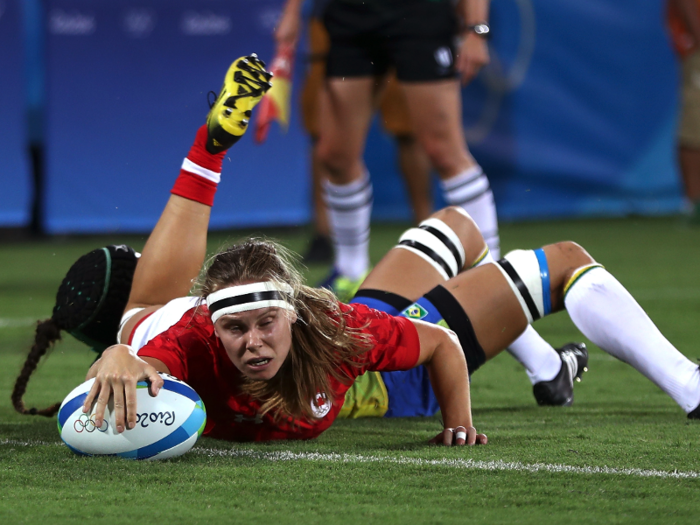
(321, 339)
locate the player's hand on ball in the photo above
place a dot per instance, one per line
(116, 374)
(459, 436)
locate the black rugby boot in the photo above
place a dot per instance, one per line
(560, 390)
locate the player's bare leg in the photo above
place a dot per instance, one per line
(345, 119)
(173, 254)
(405, 273)
(449, 243)
(415, 168)
(175, 250)
(689, 158)
(413, 161)
(436, 111)
(564, 276)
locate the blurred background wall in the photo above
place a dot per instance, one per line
(575, 116)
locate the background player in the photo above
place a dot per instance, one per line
(684, 22)
(413, 162)
(498, 303)
(273, 358)
(417, 39)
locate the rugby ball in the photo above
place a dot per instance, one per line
(167, 425)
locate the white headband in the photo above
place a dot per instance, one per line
(249, 297)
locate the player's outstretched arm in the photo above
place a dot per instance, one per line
(442, 356)
(116, 374)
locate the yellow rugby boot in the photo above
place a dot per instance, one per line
(245, 83)
(342, 286)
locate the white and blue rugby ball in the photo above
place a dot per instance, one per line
(167, 425)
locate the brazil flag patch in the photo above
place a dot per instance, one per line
(415, 311)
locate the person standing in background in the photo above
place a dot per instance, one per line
(413, 162)
(432, 45)
(684, 23)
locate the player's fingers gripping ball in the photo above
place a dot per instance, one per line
(245, 83)
(167, 425)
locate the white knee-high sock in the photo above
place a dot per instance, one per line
(349, 210)
(471, 191)
(541, 361)
(609, 316)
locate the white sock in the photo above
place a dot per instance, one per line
(610, 317)
(541, 361)
(349, 210)
(471, 191)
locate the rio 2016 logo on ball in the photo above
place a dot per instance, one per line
(167, 425)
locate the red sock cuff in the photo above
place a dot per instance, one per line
(200, 171)
(200, 156)
(195, 188)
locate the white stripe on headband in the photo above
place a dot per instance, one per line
(245, 297)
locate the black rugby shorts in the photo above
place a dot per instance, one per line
(416, 37)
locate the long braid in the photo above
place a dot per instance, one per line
(47, 332)
(89, 305)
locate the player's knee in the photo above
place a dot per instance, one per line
(528, 274)
(466, 230)
(435, 241)
(455, 217)
(334, 158)
(439, 154)
(445, 154)
(572, 253)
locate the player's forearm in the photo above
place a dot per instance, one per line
(449, 378)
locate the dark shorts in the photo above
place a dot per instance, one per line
(416, 37)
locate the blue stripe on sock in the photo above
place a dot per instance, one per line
(544, 275)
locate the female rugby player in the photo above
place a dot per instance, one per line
(273, 359)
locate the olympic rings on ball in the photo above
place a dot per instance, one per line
(88, 424)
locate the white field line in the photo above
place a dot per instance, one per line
(466, 464)
(17, 322)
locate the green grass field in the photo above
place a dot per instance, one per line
(624, 453)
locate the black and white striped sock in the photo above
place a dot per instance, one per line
(349, 210)
(470, 190)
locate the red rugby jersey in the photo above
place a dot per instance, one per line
(194, 354)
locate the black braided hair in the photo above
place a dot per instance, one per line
(89, 305)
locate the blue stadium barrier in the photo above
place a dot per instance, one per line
(15, 185)
(575, 116)
(128, 83)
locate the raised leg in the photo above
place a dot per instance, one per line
(175, 250)
(345, 119)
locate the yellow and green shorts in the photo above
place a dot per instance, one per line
(393, 394)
